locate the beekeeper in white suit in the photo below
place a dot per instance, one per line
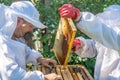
(104, 29)
(18, 19)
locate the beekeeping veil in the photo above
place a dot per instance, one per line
(23, 9)
(111, 16)
(8, 22)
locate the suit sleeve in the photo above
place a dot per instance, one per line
(95, 29)
(88, 49)
(10, 70)
(32, 55)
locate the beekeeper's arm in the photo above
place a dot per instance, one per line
(98, 31)
(92, 26)
(12, 71)
(84, 47)
(32, 55)
(36, 57)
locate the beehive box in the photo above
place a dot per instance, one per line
(72, 72)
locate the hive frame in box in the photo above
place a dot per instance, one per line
(72, 72)
(64, 39)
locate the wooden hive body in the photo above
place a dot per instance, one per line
(72, 72)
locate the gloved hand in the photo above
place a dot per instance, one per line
(76, 44)
(69, 11)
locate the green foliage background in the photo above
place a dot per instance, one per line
(49, 15)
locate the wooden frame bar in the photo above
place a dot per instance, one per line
(72, 72)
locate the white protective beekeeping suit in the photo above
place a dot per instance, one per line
(104, 28)
(14, 54)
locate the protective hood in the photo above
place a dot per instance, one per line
(27, 11)
(111, 16)
(8, 21)
(23, 9)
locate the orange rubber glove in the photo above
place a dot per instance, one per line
(69, 11)
(76, 44)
